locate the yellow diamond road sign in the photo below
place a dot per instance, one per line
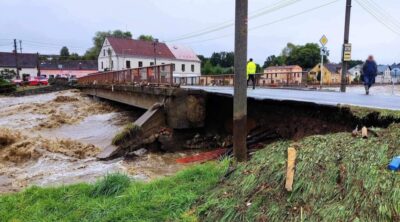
(323, 40)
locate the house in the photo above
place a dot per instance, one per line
(355, 73)
(68, 68)
(395, 73)
(282, 75)
(27, 63)
(331, 74)
(384, 75)
(120, 54)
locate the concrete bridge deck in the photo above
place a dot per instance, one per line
(317, 97)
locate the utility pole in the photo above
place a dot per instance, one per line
(16, 58)
(240, 83)
(20, 46)
(346, 41)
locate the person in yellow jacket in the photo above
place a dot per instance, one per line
(251, 71)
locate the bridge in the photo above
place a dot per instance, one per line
(192, 107)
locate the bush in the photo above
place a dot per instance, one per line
(7, 87)
(111, 185)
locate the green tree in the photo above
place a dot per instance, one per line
(207, 68)
(64, 53)
(353, 63)
(146, 38)
(215, 59)
(274, 61)
(98, 40)
(306, 56)
(74, 56)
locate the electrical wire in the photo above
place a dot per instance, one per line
(384, 13)
(377, 16)
(225, 25)
(269, 23)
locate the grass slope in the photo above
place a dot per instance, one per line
(338, 178)
(113, 199)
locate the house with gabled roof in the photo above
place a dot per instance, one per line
(27, 62)
(124, 53)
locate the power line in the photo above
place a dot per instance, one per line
(269, 23)
(385, 13)
(377, 16)
(277, 6)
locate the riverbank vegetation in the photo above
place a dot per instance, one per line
(115, 199)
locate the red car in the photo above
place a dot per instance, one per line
(38, 81)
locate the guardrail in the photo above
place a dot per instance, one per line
(157, 75)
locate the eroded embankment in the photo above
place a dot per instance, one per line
(295, 120)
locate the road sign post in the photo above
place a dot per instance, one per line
(324, 52)
(346, 42)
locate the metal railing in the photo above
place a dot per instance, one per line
(262, 79)
(155, 75)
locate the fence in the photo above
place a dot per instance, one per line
(262, 79)
(158, 75)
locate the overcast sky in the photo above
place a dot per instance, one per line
(46, 25)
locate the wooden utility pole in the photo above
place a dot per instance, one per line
(240, 88)
(16, 58)
(346, 41)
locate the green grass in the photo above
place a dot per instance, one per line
(129, 131)
(362, 112)
(338, 178)
(168, 199)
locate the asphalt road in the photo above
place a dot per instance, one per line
(318, 97)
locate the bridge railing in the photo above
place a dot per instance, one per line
(158, 75)
(262, 79)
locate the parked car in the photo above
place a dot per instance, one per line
(38, 81)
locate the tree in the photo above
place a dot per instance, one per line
(274, 61)
(98, 40)
(64, 53)
(353, 63)
(215, 59)
(74, 56)
(146, 38)
(207, 68)
(7, 74)
(306, 56)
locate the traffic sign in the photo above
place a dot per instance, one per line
(323, 40)
(347, 52)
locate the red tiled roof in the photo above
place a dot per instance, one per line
(139, 48)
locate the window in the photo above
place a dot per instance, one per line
(163, 67)
(192, 68)
(102, 66)
(173, 67)
(128, 64)
(151, 63)
(276, 75)
(140, 64)
(112, 64)
(104, 52)
(183, 67)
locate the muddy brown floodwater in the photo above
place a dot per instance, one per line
(52, 139)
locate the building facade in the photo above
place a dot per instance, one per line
(119, 54)
(68, 68)
(27, 63)
(331, 74)
(282, 75)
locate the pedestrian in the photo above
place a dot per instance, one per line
(251, 71)
(369, 72)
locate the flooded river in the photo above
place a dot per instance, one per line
(53, 139)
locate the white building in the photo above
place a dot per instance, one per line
(355, 72)
(384, 75)
(119, 54)
(27, 63)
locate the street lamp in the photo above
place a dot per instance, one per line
(155, 43)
